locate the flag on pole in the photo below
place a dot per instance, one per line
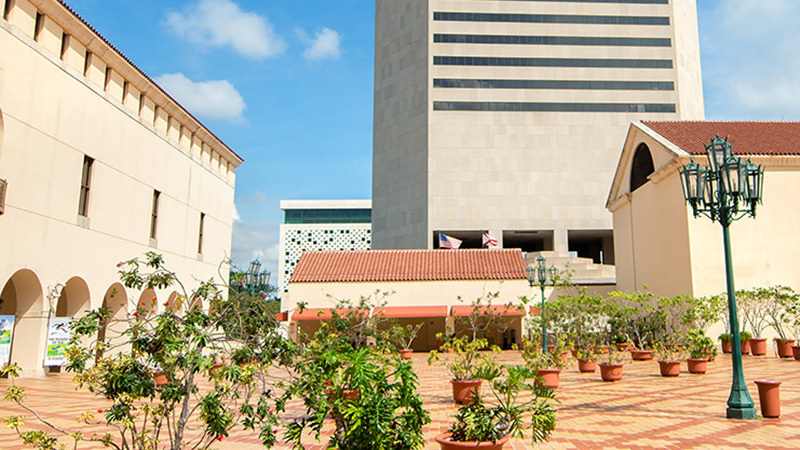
(446, 241)
(488, 240)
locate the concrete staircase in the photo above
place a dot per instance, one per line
(584, 270)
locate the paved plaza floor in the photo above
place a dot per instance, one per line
(642, 411)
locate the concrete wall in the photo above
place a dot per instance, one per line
(53, 114)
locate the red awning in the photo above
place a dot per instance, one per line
(503, 310)
(411, 312)
(320, 313)
(282, 316)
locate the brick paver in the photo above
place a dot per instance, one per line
(642, 411)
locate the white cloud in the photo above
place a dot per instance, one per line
(751, 60)
(253, 240)
(324, 45)
(221, 23)
(236, 217)
(211, 99)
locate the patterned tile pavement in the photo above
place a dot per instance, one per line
(642, 411)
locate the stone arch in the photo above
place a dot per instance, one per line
(116, 301)
(641, 167)
(147, 304)
(23, 298)
(196, 302)
(74, 300)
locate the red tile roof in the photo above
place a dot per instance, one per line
(322, 313)
(410, 312)
(503, 310)
(409, 265)
(748, 138)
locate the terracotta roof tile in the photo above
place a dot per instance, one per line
(748, 138)
(409, 265)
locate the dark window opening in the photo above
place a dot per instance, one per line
(154, 215)
(642, 166)
(200, 234)
(86, 181)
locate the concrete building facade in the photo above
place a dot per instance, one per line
(320, 225)
(99, 165)
(506, 116)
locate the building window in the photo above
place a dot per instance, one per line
(8, 6)
(551, 40)
(556, 107)
(642, 166)
(86, 181)
(549, 18)
(555, 84)
(64, 45)
(38, 27)
(154, 214)
(200, 234)
(552, 62)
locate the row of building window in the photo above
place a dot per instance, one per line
(552, 62)
(83, 203)
(555, 107)
(160, 120)
(643, 2)
(557, 84)
(551, 40)
(549, 18)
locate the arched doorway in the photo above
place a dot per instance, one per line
(116, 302)
(147, 304)
(73, 300)
(23, 299)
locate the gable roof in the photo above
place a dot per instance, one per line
(409, 265)
(748, 138)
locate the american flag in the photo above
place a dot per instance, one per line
(446, 241)
(488, 240)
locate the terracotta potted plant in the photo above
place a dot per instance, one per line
(701, 350)
(547, 366)
(670, 355)
(488, 425)
(783, 305)
(463, 364)
(587, 359)
(744, 342)
(725, 340)
(611, 365)
(403, 337)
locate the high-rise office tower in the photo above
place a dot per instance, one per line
(508, 116)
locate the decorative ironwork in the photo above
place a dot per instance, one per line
(542, 276)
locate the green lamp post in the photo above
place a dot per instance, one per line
(253, 281)
(542, 276)
(727, 190)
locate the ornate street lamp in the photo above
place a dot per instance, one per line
(727, 190)
(251, 281)
(542, 276)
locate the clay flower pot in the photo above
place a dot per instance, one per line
(446, 444)
(745, 347)
(697, 365)
(784, 347)
(462, 390)
(796, 352)
(641, 355)
(160, 378)
(727, 347)
(549, 377)
(622, 347)
(406, 353)
(215, 368)
(587, 366)
(769, 395)
(758, 346)
(669, 368)
(611, 372)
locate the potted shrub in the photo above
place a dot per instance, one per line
(403, 337)
(701, 350)
(349, 384)
(670, 355)
(744, 341)
(754, 306)
(547, 366)
(725, 340)
(488, 425)
(782, 316)
(611, 365)
(463, 364)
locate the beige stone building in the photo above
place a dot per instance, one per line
(506, 116)
(658, 241)
(98, 165)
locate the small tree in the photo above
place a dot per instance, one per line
(183, 346)
(754, 309)
(781, 304)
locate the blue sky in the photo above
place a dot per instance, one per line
(288, 85)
